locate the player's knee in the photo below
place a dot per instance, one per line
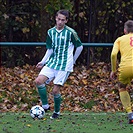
(56, 90)
(37, 81)
(122, 85)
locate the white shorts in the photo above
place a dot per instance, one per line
(59, 76)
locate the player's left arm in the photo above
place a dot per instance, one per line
(114, 53)
(77, 53)
(77, 43)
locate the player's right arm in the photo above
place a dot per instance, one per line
(48, 52)
(45, 58)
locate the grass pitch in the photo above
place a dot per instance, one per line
(67, 123)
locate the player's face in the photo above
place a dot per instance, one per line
(60, 21)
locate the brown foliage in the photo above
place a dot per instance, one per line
(85, 90)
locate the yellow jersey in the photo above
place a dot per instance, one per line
(124, 44)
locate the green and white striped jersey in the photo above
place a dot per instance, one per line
(63, 44)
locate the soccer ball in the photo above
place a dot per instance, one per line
(37, 112)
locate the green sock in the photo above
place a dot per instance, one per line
(43, 94)
(57, 102)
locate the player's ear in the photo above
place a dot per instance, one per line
(125, 31)
(55, 17)
(66, 20)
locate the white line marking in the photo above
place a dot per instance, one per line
(71, 113)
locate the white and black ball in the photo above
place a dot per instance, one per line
(37, 112)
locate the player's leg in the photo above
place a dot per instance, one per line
(125, 98)
(61, 77)
(125, 76)
(57, 101)
(40, 84)
(126, 102)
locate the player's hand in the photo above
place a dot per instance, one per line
(39, 65)
(112, 75)
(74, 62)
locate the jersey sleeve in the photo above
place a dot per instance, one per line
(75, 39)
(48, 42)
(114, 53)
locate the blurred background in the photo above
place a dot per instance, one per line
(99, 21)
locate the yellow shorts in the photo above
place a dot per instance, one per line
(126, 74)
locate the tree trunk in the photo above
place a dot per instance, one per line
(76, 5)
(44, 21)
(10, 31)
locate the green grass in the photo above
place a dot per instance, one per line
(68, 123)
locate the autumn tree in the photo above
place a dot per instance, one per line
(98, 21)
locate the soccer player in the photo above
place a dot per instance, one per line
(124, 45)
(58, 60)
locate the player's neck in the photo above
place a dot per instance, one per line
(60, 28)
